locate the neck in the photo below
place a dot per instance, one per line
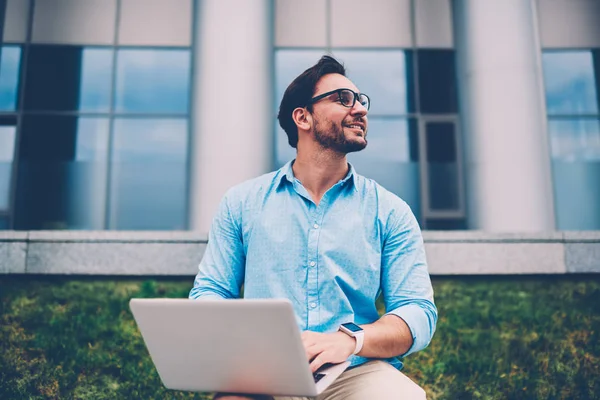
(318, 171)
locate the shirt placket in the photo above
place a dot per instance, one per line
(313, 262)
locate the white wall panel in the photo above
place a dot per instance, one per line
(155, 22)
(74, 21)
(569, 23)
(434, 24)
(15, 22)
(301, 23)
(376, 23)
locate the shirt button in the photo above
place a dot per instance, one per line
(316, 226)
(313, 305)
(312, 263)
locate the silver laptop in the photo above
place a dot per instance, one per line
(233, 346)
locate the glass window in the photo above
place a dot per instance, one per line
(289, 64)
(62, 173)
(9, 77)
(575, 139)
(95, 82)
(152, 81)
(155, 22)
(74, 21)
(576, 170)
(384, 75)
(149, 174)
(388, 158)
(570, 83)
(68, 78)
(437, 82)
(283, 151)
(7, 149)
(442, 166)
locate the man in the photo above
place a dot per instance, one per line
(330, 241)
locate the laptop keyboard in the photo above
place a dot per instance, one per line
(318, 376)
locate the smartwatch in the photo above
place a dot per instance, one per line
(356, 332)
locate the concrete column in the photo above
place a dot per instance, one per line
(509, 185)
(233, 113)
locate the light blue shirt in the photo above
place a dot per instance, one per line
(330, 260)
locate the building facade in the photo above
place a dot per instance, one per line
(139, 114)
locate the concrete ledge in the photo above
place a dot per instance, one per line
(12, 257)
(114, 258)
(486, 237)
(495, 258)
(179, 253)
(117, 236)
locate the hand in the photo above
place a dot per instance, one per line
(324, 348)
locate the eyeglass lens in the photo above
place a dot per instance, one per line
(347, 98)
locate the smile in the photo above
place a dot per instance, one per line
(355, 126)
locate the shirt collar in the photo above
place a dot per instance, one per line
(286, 173)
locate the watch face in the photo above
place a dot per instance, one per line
(352, 327)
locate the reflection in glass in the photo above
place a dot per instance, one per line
(53, 78)
(68, 78)
(570, 83)
(88, 174)
(288, 65)
(96, 72)
(574, 139)
(7, 149)
(3, 223)
(442, 166)
(9, 77)
(387, 158)
(60, 184)
(152, 81)
(149, 174)
(575, 147)
(284, 152)
(437, 82)
(384, 76)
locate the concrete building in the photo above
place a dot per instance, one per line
(139, 114)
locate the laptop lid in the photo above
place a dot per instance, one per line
(236, 346)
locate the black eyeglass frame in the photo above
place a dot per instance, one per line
(338, 91)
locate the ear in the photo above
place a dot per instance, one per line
(302, 118)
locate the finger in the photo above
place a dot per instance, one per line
(317, 363)
(312, 352)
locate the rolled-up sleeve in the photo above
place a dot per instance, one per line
(406, 285)
(221, 271)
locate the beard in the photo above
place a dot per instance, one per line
(332, 137)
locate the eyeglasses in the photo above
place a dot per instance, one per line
(346, 97)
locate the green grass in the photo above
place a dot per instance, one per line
(497, 338)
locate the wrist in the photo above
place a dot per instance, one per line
(355, 332)
(349, 342)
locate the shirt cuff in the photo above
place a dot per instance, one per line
(418, 323)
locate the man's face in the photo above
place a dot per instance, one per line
(337, 127)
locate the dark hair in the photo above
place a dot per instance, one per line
(301, 90)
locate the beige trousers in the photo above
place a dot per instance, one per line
(375, 380)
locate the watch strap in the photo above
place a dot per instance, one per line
(360, 338)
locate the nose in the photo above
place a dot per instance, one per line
(358, 109)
